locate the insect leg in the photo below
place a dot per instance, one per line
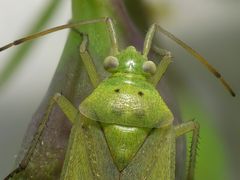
(66, 106)
(183, 129)
(162, 66)
(69, 110)
(88, 62)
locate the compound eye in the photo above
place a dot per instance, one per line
(149, 67)
(110, 62)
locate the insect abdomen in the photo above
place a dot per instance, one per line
(124, 142)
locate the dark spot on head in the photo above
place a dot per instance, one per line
(117, 90)
(140, 93)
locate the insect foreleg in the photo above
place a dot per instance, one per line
(69, 110)
(183, 129)
(66, 107)
(88, 62)
(162, 66)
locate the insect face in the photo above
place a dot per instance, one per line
(130, 61)
(127, 97)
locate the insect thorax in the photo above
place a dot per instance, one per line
(128, 107)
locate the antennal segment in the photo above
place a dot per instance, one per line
(199, 58)
(148, 44)
(107, 20)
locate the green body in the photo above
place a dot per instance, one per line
(123, 129)
(127, 106)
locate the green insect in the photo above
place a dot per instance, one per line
(123, 129)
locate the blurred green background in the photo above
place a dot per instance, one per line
(210, 27)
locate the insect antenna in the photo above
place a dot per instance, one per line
(107, 20)
(199, 58)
